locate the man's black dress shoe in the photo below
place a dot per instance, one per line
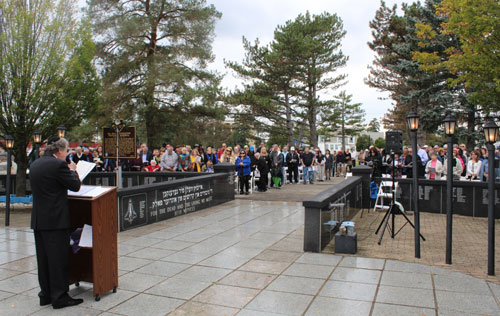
(66, 301)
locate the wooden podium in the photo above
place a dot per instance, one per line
(95, 206)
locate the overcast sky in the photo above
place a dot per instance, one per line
(258, 19)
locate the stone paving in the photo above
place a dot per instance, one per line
(245, 258)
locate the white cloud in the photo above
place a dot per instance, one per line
(259, 18)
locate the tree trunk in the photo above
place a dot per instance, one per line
(471, 125)
(343, 127)
(21, 160)
(289, 123)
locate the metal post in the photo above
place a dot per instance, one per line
(7, 189)
(415, 195)
(37, 151)
(491, 209)
(118, 175)
(449, 200)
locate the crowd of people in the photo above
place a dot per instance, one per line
(432, 162)
(277, 164)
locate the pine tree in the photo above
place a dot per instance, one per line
(373, 126)
(154, 55)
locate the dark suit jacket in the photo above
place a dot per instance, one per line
(50, 180)
(149, 157)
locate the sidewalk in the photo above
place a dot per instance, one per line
(245, 258)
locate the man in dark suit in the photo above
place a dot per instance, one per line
(145, 155)
(50, 177)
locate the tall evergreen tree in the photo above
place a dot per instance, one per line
(313, 44)
(346, 118)
(373, 126)
(46, 73)
(154, 55)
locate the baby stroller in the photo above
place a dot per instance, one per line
(276, 177)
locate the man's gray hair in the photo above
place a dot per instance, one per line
(54, 147)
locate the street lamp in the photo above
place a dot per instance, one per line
(449, 123)
(37, 138)
(117, 125)
(9, 143)
(491, 135)
(413, 122)
(61, 130)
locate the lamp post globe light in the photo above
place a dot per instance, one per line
(450, 124)
(37, 139)
(413, 120)
(61, 131)
(9, 143)
(491, 135)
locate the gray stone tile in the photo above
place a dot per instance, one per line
(19, 305)
(23, 265)
(242, 252)
(144, 304)
(173, 245)
(163, 268)
(107, 301)
(328, 306)
(248, 279)
(406, 296)
(131, 264)
(4, 273)
(179, 288)
(6, 257)
(456, 313)
(289, 244)
(207, 274)
(299, 285)
(19, 283)
(356, 275)
(267, 236)
(393, 265)
(151, 253)
(224, 261)
(319, 258)
(186, 257)
(138, 282)
(203, 309)
(226, 295)
(397, 310)
(406, 279)
(496, 289)
(462, 283)
(262, 266)
(468, 303)
(363, 263)
(142, 241)
(249, 312)
(4, 295)
(309, 270)
(256, 243)
(281, 303)
(124, 249)
(275, 255)
(349, 290)
(75, 311)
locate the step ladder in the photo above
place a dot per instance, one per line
(384, 193)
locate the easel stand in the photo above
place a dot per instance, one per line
(394, 209)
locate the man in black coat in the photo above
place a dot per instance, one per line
(292, 161)
(50, 178)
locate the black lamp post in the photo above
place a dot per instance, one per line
(37, 138)
(449, 129)
(413, 122)
(491, 135)
(61, 131)
(9, 143)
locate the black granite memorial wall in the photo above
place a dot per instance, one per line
(149, 203)
(340, 202)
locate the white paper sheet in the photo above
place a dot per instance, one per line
(83, 168)
(89, 191)
(86, 238)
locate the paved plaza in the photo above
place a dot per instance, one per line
(245, 258)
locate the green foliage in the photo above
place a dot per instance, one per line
(379, 142)
(363, 142)
(47, 77)
(154, 55)
(285, 77)
(373, 126)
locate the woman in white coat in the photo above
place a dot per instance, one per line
(434, 168)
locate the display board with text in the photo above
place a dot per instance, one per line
(126, 143)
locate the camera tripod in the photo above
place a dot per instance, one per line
(395, 208)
